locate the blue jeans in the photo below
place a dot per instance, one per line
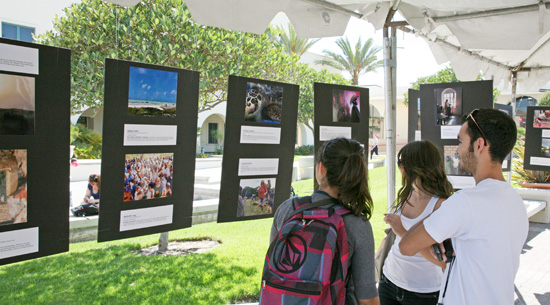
(390, 294)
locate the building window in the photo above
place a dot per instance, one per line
(18, 32)
(212, 133)
(83, 120)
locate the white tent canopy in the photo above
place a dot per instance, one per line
(491, 37)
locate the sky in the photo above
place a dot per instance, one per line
(414, 57)
(153, 85)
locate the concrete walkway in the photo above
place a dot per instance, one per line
(533, 278)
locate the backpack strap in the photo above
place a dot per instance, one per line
(302, 204)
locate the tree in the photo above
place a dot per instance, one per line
(159, 32)
(307, 79)
(545, 99)
(292, 44)
(164, 33)
(446, 75)
(356, 61)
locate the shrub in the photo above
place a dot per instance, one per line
(305, 150)
(86, 141)
(545, 99)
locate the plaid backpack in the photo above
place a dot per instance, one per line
(307, 263)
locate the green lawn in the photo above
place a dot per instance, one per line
(107, 273)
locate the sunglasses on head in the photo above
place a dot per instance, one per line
(471, 116)
(93, 178)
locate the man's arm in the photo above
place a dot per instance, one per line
(373, 301)
(416, 239)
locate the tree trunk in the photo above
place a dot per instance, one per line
(163, 242)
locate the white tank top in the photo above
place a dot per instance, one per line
(413, 273)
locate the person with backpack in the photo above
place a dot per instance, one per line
(412, 280)
(322, 246)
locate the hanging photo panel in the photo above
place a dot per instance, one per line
(341, 111)
(508, 109)
(34, 150)
(148, 162)
(414, 116)
(442, 109)
(537, 138)
(259, 148)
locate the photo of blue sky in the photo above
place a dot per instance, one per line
(153, 85)
(152, 92)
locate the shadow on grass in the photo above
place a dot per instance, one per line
(115, 276)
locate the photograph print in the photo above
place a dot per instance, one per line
(148, 176)
(13, 186)
(345, 106)
(541, 118)
(448, 106)
(152, 92)
(256, 197)
(545, 147)
(17, 105)
(451, 161)
(263, 103)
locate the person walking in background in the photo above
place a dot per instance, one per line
(414, 280)
(487, 224)
(374, 146)
(341, 172)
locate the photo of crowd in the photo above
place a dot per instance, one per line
(345, 106)
(256, 197)
(542, 119)
(448, 106)
(13, 186)
(148, 176)
(17, 105)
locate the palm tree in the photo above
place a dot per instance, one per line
(356, 61)
(293, 44)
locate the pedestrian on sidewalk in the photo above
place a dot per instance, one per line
(374, 146)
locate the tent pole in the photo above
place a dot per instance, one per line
(390, 95)
(514, 80)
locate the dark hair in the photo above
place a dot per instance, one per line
(94, 178)
(422, 160)
(499, 130)
(346, 167)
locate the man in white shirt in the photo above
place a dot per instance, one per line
(487, 224)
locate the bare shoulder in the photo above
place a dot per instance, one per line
(439, 202)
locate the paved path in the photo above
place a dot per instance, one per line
(533, 278)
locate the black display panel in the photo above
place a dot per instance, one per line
(537, 138)
(148, 155)
(442, 108)
(260, 134)
(334, 102)
(506, 164)
(34, 150)
(414, 116)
